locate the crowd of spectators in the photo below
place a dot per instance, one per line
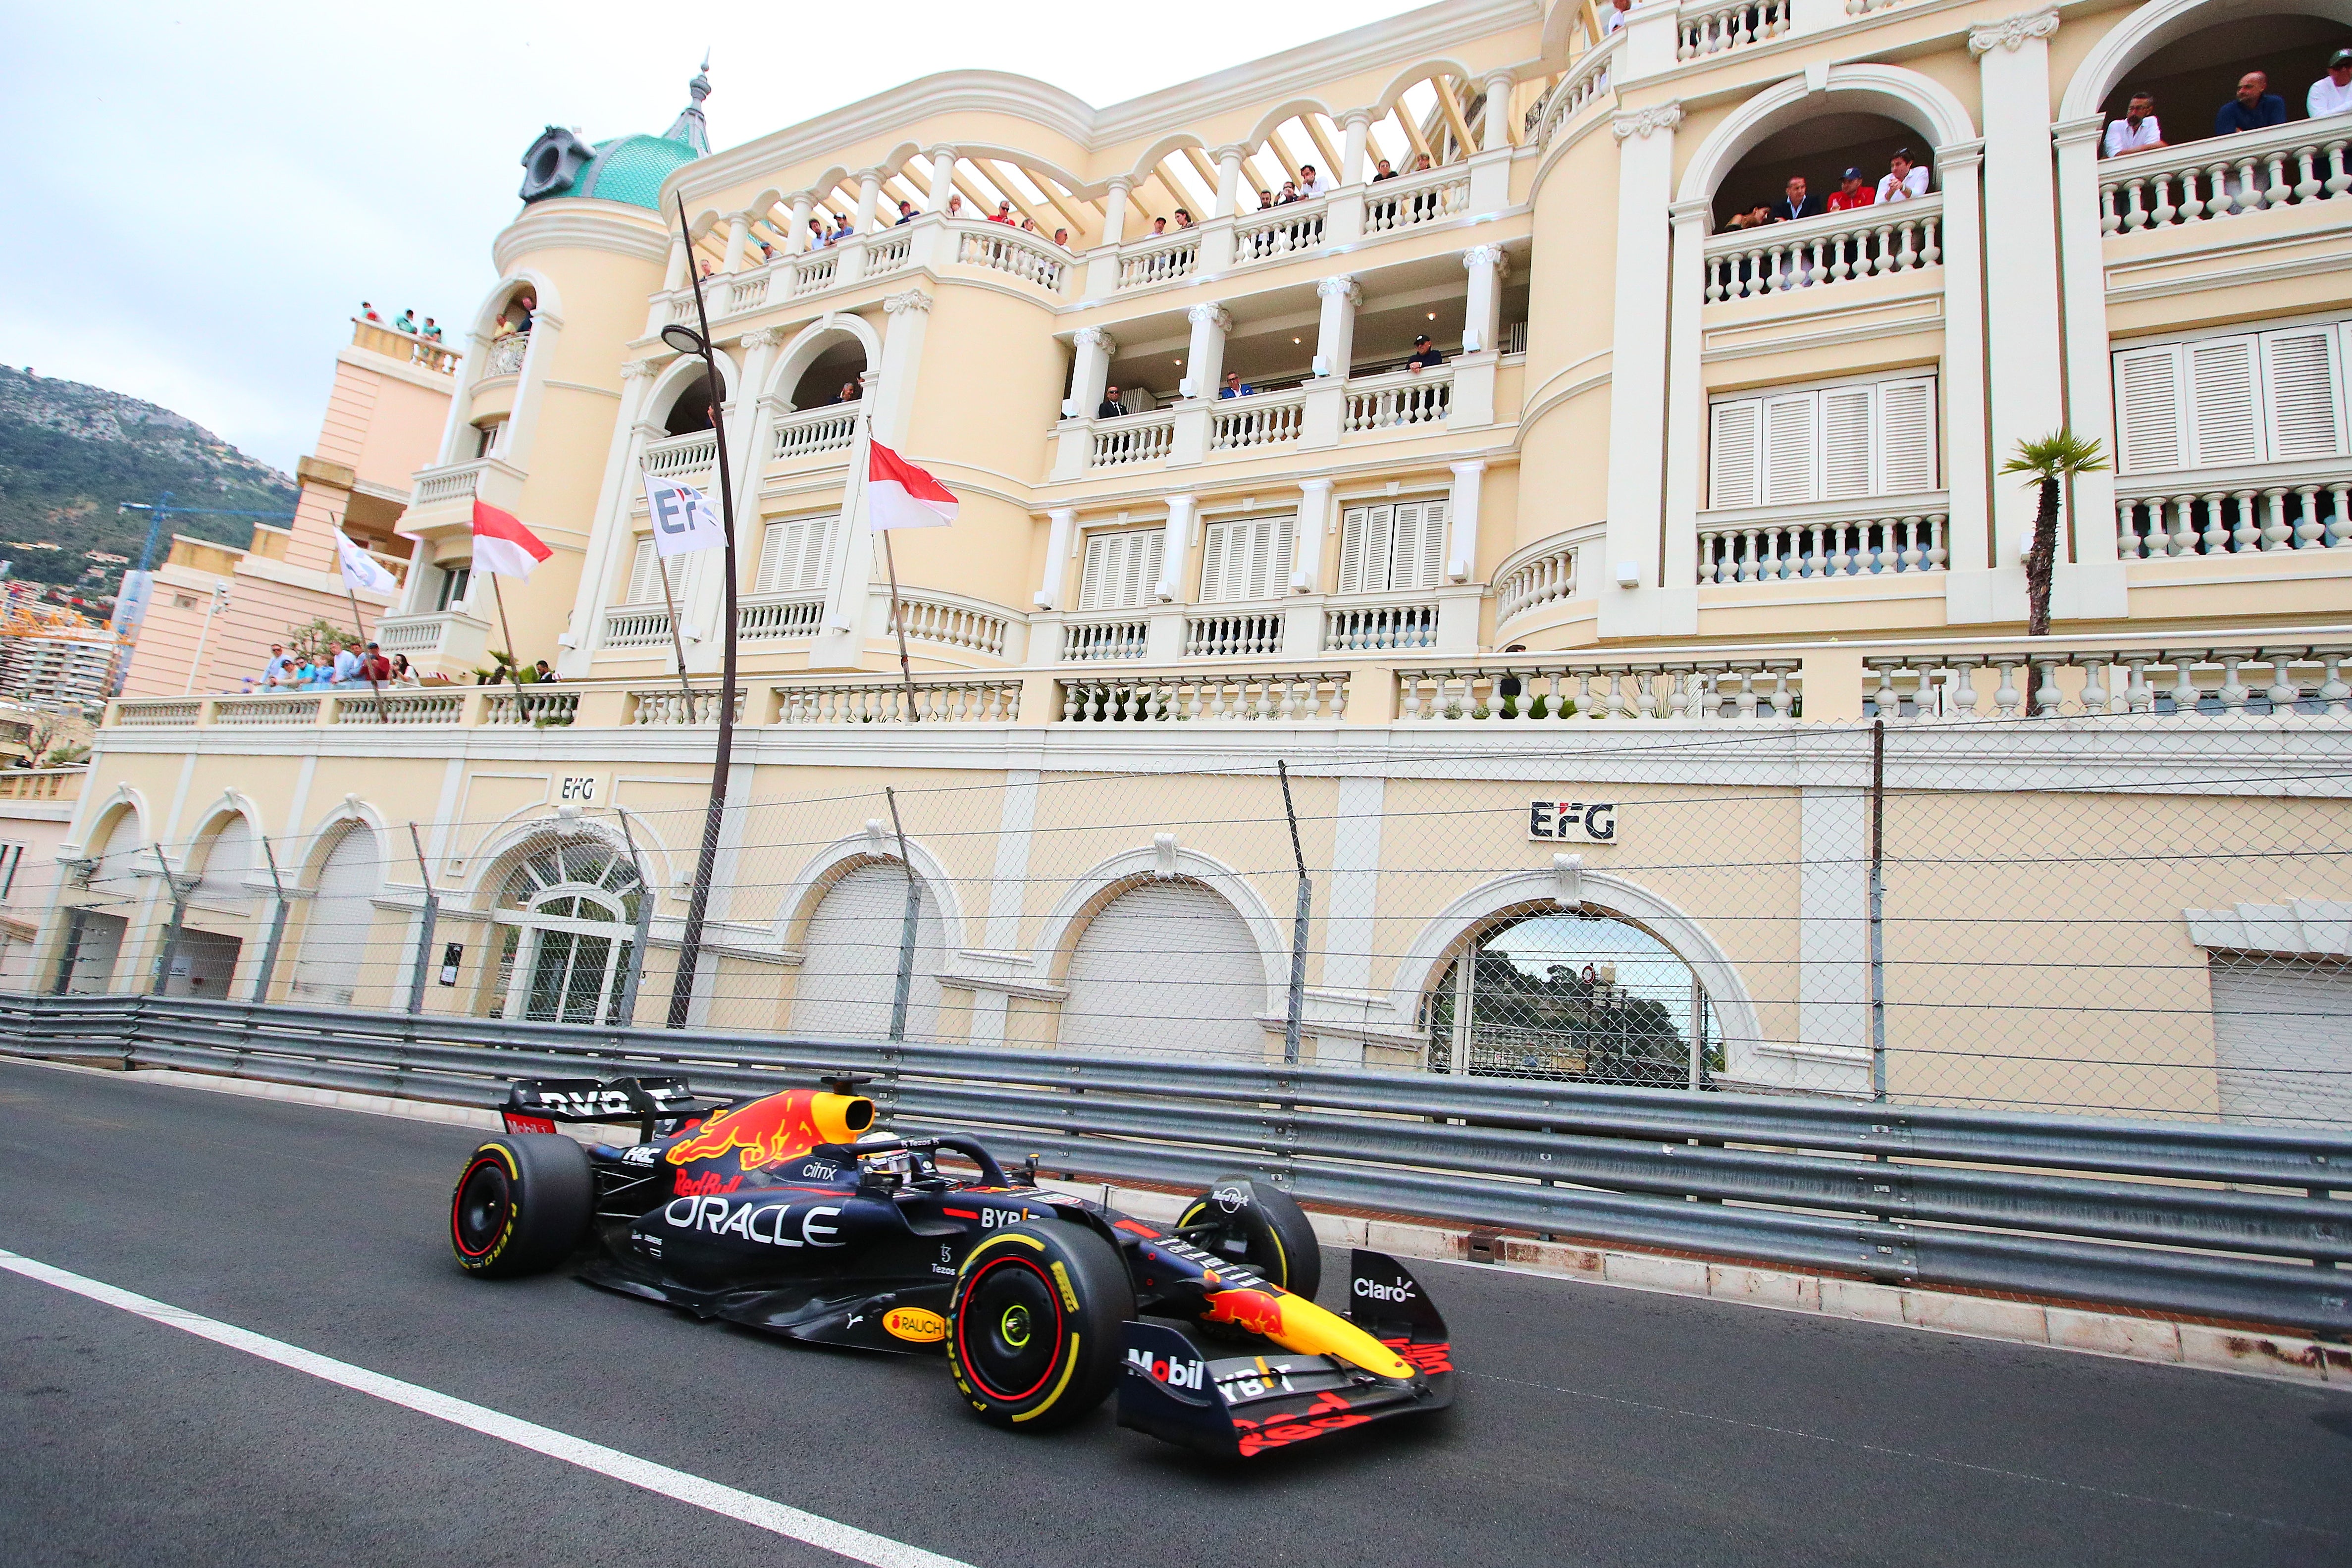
(2253, 107)
(1904, 180)
(355, 663)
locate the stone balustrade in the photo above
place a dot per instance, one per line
(1377, 628)
(1278, 234)
(1586, 83)
(1137, 438)
(42, 783)
(1212, 636)
(1855, 538)
(2222, 176)
(399, 705)
(1696, 690)
(1122, 637)
(1281, 696)
(2184, 684)
(272, 712)
(1398, 400)
(635, 625)
(1163, 258)
(688, 459)
(1008, 250)
(1711, 27)
(2271, 507)
(663, 707)
(1409, 201)
(536, 707)
(978, 701)
(1264, 419)
(955, 623)
(1528, 584)
(770, 617)
(814, 430)
(1820, 252)
(457, 482)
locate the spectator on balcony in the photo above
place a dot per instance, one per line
(279, 670)
(1028, 224)
(545, 671)
(2332, 94)
(955, 204)
(1614, 18)
(816, 233)
(1108, 408)
(367, 313)
(1183, 218)
(403, 672)
(1754, 217)
(2256, 107)
(705, 267)
(1311, 185)
(406, 322)
(1158, 226)
(346, 668)
(1235, 386)
(851, 392)
(2137, 132)
(767, 252)
(1289, 194)
(1852, 192)
(1264, 200)
(1062, 238)
(1003, 214)
(845, 229)
(1384, 171)
(432, 333)
(1419, 163)
(1795, 202)
(906, 213)
(1906, 181)
(374, 666)
(1425, 355)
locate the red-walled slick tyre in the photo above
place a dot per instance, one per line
(1034, 1335)
(522, 1204)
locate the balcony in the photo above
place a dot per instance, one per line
(930, 240)
(2261, 508)
(443, 501)
(1381, 623)
(635, 625)
(2296, 164)
(412, 348)
(688, 459)
(1814, 539)
(1318, 413)
(814, 431)
(448, 640)
(1539, 576)
(1823, 252)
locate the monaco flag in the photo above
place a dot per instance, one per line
(502, 545)
(900, 495)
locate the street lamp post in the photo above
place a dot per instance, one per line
(689, 340)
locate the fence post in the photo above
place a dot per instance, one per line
(424, 929)
(627, 1005)
(906, 928)
(1298, 926)
(277, 912)
(1877, 909)
(172, 931)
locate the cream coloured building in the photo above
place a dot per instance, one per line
(1665, 478)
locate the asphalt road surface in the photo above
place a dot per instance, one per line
(1593, 1426)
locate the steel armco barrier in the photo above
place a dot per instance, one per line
(2244, 1223)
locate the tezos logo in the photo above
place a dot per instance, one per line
(1191, 1374)
(1391, 1290)
(1232, 1200)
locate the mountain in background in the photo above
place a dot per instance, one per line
(70, 455)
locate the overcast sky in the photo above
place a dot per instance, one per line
(196, 199)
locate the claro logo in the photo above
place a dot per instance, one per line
(774, 1225)
(1385, 1290)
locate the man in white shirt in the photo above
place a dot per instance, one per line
(1311, 185)
(279, 670)
(1904, 180)
(2332, 94)
(1614, 18)
(346, 664)
(2137, 131)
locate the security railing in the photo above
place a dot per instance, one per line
(1278, 233)
(1163, 258)
(1375, 628)
(1696, 691)
(2223, 176)
(527, 705)
(2272, 507)
(1228, 636)
(1086, 642)
(1817, 252)
(2190, 685)
(2244, 1224)
(1411, 200)
(929, 702)
(1858, 539)
(682, 457)
(664, 706)
(1137, 438)
(400, 707)
(814, 430)
(1710, 30)
(1282, 697)
(1398, 400)
(1265, 419)
(272, 712)
(1008, 250)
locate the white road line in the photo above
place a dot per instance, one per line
(847, 1541)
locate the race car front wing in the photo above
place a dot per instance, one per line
(1243, 1406)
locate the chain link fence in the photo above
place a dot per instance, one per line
(2145, 917)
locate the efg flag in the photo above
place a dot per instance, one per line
(900, 495)
(683, 520)
(362, 570)
(502, 545)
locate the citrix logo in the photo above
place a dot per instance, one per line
(1192, 1373)
(1393, 1290)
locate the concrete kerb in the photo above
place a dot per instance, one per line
(2205, 1347)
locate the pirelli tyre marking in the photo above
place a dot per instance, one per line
(474, 1216)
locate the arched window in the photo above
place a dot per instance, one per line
(337, 928)
(1575, 996)
(568, 918)
(1166, 968)
(848, 982)
(830, 375)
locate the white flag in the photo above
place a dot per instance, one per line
(362, 570)
(683, 520)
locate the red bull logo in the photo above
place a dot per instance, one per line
(1253, 1311)
(777, 1126)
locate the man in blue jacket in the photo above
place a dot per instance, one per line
(2255, 108)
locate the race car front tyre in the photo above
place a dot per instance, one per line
(1034, 1328)
(521, 1205)
(1258, 1223)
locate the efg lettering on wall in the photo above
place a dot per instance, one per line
(1572, 821)
(578, 789)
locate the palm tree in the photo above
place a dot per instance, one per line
(2056, 457)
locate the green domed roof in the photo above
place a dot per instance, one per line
(631, 169)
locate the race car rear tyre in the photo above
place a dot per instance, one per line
(521, 1205)
(1034, 1335)
(1258, 1223)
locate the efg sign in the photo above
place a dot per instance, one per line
(1572, 821)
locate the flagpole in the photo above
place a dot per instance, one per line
(500, 600)
(661, 570)
(360, 625)
(898, 619)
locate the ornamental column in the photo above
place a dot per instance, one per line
(869, 194)
(1102, 261)
(1229, 182)
(1203, 367)
(942, 179)
(1178, 536)
(610, 537)
(1302, 623)
(1091, 373)
(1114, 227)
(738, 240)
(675, 277)
(1633, 601)
(2090, 396)
(1061, 522)
(1334, 348)
(1357, 131)
(1496, 129)
(796, 241)
(1685, 393)
(1967, 472)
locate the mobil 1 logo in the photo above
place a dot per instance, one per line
(1563, 821)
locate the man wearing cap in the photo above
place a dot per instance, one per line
(1425, 355)
(2137, 132)
(1852, 192)
(2332, 94)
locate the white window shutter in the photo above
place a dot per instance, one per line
(1791, 448)
(1906, 436)
(1846, 420)
(2301, 395)
(1405, 546)
(1353, 523)
(1429, 567)
(794, 554)
(2224, 403)
(1731, 453)
(2149, 424)
(771, 558)
(1364, 553)
(645, 588)
(1150, 547)
(1213, 561)
(1094, 572)
(1282, 548)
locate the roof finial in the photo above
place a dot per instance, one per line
(689, 126)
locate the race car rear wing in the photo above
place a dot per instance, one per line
(1243, 1406)
(658, 1105)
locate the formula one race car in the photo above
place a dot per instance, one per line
(790, 1213)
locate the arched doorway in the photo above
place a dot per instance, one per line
(341, 919)
(1166, 968)
(830, 375)
(849, 980)
(568, 919)
(1572, 995)
(1819, 150)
